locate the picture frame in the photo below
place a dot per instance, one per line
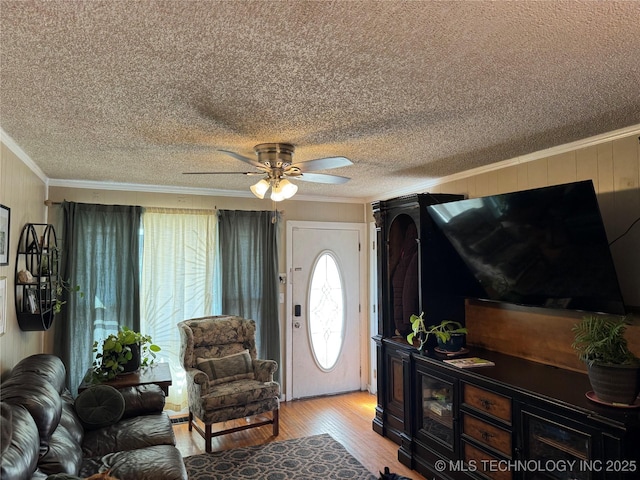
(5, 223)
(3, 305)
(32, 301)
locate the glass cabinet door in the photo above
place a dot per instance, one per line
(437, 409)
(555, 445)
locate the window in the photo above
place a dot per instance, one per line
(326, 311)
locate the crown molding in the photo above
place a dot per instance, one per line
(22, 155)
(95, 185)
(417, 188)
(530, 157)
(134, 187)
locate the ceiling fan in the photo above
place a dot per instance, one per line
(275, 162)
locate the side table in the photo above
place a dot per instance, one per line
(158, 373)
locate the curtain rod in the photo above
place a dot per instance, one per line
(50, 203)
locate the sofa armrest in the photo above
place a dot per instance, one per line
(197, 380)
(20, 442)
(142, 400)
(264, 369)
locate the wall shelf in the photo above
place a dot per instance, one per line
(38, 258)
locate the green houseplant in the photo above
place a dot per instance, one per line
(61, 287)
(612, 368)
(122, 352)
(418, 330)
(450, 335)
(445, 331)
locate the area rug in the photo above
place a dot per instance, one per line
(316, 457)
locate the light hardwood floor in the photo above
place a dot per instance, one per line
(347, 418)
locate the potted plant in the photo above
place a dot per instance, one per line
(122, 352)
(449, 333)
(614, 371)
(418, 330)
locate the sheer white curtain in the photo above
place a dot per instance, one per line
(180, 280)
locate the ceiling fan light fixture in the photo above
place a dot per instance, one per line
(276, 193)
(288, 189)
(260, 188)
(283, 190)
(275, 160)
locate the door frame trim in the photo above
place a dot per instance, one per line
(363, 290)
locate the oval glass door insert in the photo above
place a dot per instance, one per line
(326, 311)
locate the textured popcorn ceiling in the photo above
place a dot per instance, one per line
(140, 91)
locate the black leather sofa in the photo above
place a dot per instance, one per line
(43, 434)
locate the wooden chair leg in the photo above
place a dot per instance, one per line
(190, 421)
(207, 438)
(276, 422)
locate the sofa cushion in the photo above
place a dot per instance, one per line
(63, 476)
(129, 434)
(237, 366)
(39, 398)
(20, 456)
(63, 455)
(69, 418)
(6, 430)
(47, 366)
(99, 406)
(159, 462)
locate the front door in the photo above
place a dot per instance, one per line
(324, 311)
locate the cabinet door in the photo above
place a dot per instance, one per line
(562, 450)
(394, 404)
(436, 410)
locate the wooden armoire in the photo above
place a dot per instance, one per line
(418, 271)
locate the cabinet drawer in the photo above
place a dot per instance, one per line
(489, 402)
(485, 463)
(486, 434)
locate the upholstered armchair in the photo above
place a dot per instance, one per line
(225, 379)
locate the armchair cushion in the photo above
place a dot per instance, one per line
(238, 366)
(99, 406)
(241, 392)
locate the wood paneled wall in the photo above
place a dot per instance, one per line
(544, 335)
(536, 334)
(614, 168)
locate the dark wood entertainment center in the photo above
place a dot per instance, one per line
(527, 417)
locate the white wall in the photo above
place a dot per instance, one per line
(24, 193)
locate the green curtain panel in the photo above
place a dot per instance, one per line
(100, 254)
(249, 247)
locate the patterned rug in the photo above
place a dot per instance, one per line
(316, 457)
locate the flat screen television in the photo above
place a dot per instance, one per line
(545, 247)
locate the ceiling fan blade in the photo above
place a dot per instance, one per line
(321, 178)
(242, 158)
(223, 173)
(323, 164)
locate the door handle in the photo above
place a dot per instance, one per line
(297, 310)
